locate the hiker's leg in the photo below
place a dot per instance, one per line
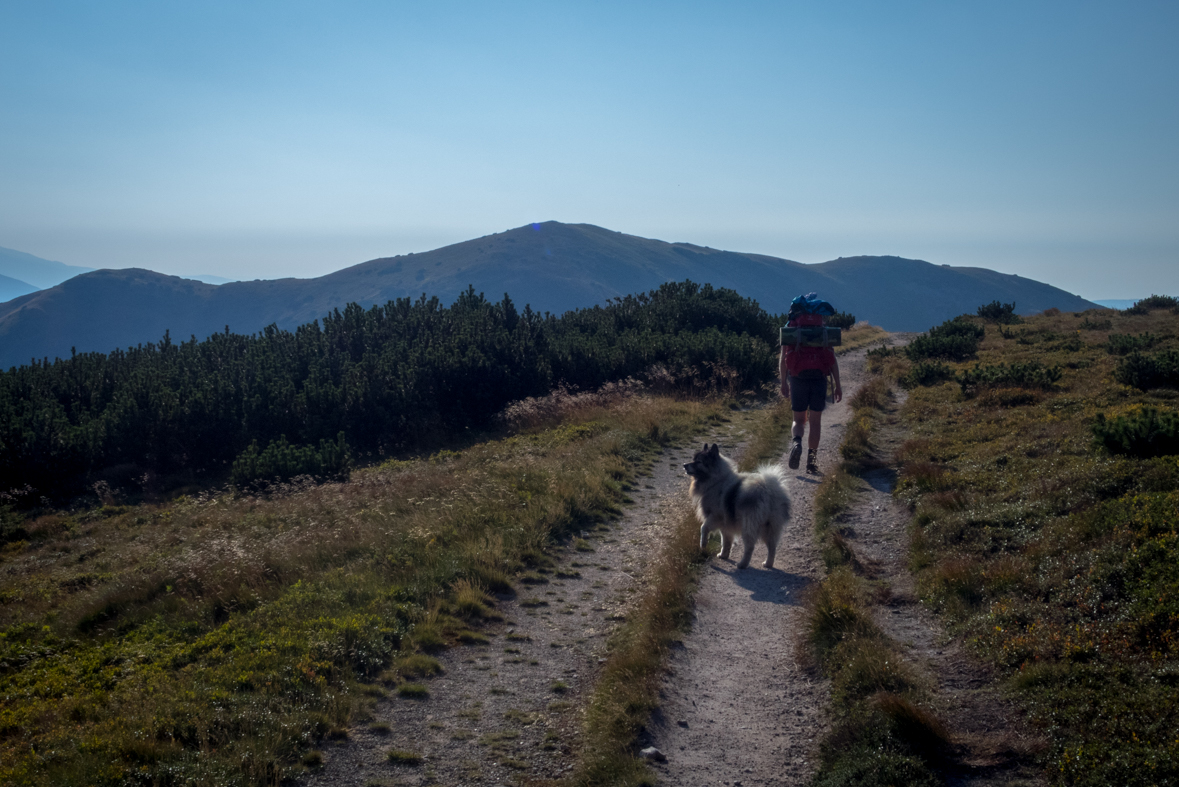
(799, 424)
(816, 429)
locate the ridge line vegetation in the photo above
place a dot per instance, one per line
(409, 376)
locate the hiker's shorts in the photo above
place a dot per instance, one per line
(808, 393)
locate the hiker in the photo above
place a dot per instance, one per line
(804, 371)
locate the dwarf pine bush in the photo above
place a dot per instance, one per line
(1124, 343)
(1143, 434)
(955, 339)
(1025, 374)
(1145, 305)
(280, 461)
(927, 373)
(1002, 313)
(842, 320)
(1143, 371)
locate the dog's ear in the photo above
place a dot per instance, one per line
(704, 450)
(715, 450)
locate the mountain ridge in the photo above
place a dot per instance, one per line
(550, 266)
(36, 271)
(11, 287)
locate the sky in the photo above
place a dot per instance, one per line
(251, 139)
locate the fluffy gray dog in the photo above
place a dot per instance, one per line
(753, 505)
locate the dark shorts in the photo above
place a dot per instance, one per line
(808, 393)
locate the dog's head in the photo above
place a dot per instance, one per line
(704, 463)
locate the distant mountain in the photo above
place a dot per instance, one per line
(40, 273)
(1118, 303)
(13, 288)
(553, 267)
(207, 279)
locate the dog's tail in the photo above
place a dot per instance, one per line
(773, 473)
(774, 476)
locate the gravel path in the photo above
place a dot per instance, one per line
(737, 707)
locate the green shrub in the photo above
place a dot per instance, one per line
(1143, 434)
(1154, 302)
(280, 461)
(1095, 325)
(1002, 313)
(956, 339)
(1143, 371)
(1124, 343)
(1019, 374)
(925, 373)
(842, 320)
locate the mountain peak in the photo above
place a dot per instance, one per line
(548, 265)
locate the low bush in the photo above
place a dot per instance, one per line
(1145, 305)
(280, 462)
(1144, 434)
(1142, 371)
(1124, 343)
(1002, 313)
(925, 373)
(955, 339)
(1025, 374)
(842, 320)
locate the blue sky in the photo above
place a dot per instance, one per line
(265, 139)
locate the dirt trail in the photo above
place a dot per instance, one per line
(509, 711)
(993, 745)
(737, 707)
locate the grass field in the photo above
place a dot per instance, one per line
(216, 639)
(1044, 477)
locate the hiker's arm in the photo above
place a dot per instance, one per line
(784, 374)
(835, 376)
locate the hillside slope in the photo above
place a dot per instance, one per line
(552, 267)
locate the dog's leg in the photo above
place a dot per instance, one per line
(726, 545)
(748, 543)
(771, 545)
(705, 529)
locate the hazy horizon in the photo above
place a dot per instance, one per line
(277, 140)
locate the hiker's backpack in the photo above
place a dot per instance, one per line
(806, 340)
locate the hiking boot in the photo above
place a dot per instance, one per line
(795, 453)
(812, 461)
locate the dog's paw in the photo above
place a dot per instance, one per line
(743, 565)
(767, 564)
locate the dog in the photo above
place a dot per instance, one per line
(754, 505)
